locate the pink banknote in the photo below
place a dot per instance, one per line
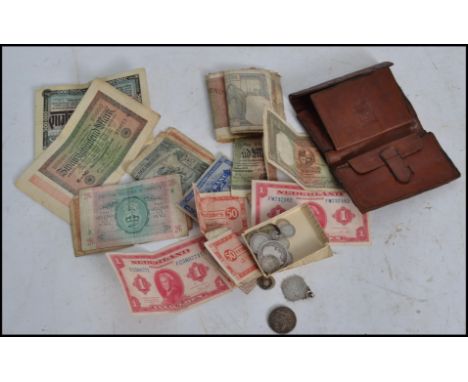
(171, 279)
(221, 210)
(233, 257)
(333, 208)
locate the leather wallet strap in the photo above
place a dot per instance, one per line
(397, 165)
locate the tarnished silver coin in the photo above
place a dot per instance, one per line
(269, 263)
(266, 282)
(268, 228)
(287, 230)
(289, 259)
(274, 248)
(281, 222)
(258, 239)
(282, 320)
(284, 242)
(295, 288)
(276, 234)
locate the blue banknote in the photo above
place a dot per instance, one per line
(216, 178)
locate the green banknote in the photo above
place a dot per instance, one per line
(172, 152)
(107, 130)
(55, 104)
(294, 153)
(248, 163)
(107, 217)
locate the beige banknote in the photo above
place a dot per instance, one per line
(247, 163)
(172, 152)
(171, 279)
(333, 209)
(217, 96)
(294, 154)
(234, 258)
(272, 173)
(106, 217)
(106, 131)
(238, 98)
(55, 104)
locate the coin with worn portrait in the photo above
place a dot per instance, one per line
(274, 248)
(282, 320)
(257, 239)
(269, 263)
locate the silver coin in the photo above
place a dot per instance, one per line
(284, 242)
(274, 248)
(288, 260)
(287, 230)
(266, 282)
(275, 235)
(295, 288)
(281, 222)
(269, 264)
(257, 239)
(270, 229)
(282, 320)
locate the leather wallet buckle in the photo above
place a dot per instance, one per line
(396, 164)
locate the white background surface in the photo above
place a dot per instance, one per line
(410, 280)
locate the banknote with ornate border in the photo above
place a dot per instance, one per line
(221, 209)
(107, 130)
(248, 163)
(171, 279)
(294, 153)
(243, 93)
(55, 104)
(338, 216)
(172, 152)
(105, 217)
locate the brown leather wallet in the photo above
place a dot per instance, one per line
(371, 137)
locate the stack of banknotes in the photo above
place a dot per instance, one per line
(88, 136)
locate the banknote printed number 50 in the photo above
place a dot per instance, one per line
(231, 213)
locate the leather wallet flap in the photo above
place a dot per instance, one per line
(362, 108)
(385, 155)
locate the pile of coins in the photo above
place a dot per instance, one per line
(282, 319)
(270, 244)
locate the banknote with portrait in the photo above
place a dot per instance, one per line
(171, 279)
(332, 207)
(294, 153)
(238, 98)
